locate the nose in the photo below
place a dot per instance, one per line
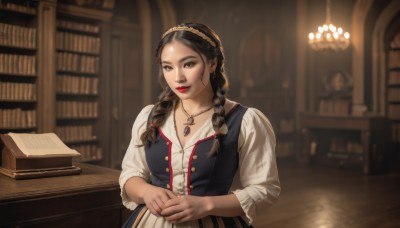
(179, 76)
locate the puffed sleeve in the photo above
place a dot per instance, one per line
(134, 162)
(258, 171)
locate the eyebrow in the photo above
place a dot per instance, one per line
(181, 60)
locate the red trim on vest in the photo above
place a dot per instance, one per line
(169, 158)
(232, 109)
(191, 159)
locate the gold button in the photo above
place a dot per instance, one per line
(191, 186)
(167, 143)
(193, 169)
(168, 186)
(167, 170)
(194, 157)
(166, 158)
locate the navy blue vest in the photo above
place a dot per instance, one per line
(207, 175)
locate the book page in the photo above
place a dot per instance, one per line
(47, 144)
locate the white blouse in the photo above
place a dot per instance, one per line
(255, 184)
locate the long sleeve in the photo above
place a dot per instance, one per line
(134, 163)
(258, 171)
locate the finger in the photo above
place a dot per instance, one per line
(177, 217)
(154, 208)
(172, 202)
(171, 195)
(168, 195)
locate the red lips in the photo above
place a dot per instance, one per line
(182, 89)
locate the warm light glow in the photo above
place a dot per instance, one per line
(329, 36)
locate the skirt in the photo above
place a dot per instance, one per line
(142, 218)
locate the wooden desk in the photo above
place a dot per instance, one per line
(90, 199)
(369, 132)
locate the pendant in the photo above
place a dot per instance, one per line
(186, 130)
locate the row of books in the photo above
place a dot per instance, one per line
(394, 111)
(393, 94)
(17, 91)
(396, 132)
(77, 26)
(77, 109)
(394, 59)
(333, 106)
(77, 63)
(77, 85)
(342, 145)
(17, 64)
(17, 118)
(18, 8)
(75, 133)
(17, 36)
(284, 149)
(88, 152)
(395, 43)
(78, 43)
(394, 78)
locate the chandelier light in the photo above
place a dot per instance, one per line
(329, 36)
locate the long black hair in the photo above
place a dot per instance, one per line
(167, 99)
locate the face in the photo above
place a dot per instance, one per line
(186, 72)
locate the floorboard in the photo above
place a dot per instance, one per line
(324, 197)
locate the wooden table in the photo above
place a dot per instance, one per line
(371, 132)
(90, 199)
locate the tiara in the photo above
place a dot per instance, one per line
(192, 30)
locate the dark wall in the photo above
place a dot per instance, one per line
(258, 37)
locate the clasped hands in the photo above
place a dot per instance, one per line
(173, 207)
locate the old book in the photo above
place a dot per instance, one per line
(25, 152)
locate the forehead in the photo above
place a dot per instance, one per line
(176, 50)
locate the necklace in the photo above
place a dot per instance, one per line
(190, 119)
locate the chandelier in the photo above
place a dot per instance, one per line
(328, 35)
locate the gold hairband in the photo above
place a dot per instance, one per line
(192, 30)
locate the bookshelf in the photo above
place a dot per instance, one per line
(18, 66)
(53, 60)
(78, 51)
(393, 93)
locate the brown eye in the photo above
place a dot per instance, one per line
(167, 68)
(189, 64)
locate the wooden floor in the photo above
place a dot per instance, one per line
(322, 197)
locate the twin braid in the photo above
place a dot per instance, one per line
(218, 118)
(158, 116)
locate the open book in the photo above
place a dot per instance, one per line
(27, 156)
(42, 145)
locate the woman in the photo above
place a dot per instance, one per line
(197, 159)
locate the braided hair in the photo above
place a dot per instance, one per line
(167, 99)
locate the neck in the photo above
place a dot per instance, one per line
(201, 102)
(194, 107)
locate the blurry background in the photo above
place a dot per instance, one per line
(85, 68)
